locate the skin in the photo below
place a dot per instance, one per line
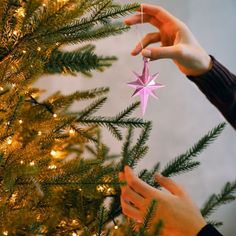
(176, 41)
(179, 213)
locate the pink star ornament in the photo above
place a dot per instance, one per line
(145, 85)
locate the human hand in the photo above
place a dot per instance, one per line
(179, 213)
(177, 41)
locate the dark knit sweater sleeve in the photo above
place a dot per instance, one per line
(219, 86)
(209, 230)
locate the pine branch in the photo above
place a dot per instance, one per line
(127, 111)
(184, 162)
(148, 218)
(216, 200)
(92, 108)
(76, 61)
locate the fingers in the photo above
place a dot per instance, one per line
(158, 12)
(148, 39)
(161, 52)
(131, 211)
(138, 19)
(170, 185)
(138, 185)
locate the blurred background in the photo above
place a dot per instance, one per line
(182, 115)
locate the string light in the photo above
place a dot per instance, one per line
(80, 189)
(53, 153)
(39, 133)
(116, 227)
(15, 32)
(32, 163)
(1, 88)
(74, 234)
(55, 115)
(52, 167)
(21, 162)
(9, 141)
(57, 44)
(5, 232)
(72, 131)
(24, 51)
(20, 121)
(39, 49)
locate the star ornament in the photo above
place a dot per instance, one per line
(145, 85)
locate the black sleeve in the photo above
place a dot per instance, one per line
(219, 86)
(209, 230)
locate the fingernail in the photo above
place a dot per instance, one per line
(147, 53)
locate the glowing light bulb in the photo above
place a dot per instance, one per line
(24, 51)
(5, 232)
(32, 163)
(21, 162)
(9, 141)
(53, 153)
(1, 88)
(44, 4)
(74, 234)
(72, 131)
(116, 227)
(57, 44)
(20, 121)
(52, 167)
(39, 49)
(39, 133)
(80, 189)
(55, 115)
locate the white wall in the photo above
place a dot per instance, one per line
(183, 114)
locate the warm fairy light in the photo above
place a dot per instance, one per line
(116, 227)
(15, 32)
(9, 141)
(31, 66)
(55, 115)
(57, 44)
(21, 162)
(44, 5)
(39, 49)
(1, 88)
(74, 234)
(53, 153)
(32, 163)
(39, 133)
(21, 12)
(20, 121)
(13, 85)
(100, 188)
(52, 167)
(24, 51)
(80, 189)
(5, 232)
(72, 131)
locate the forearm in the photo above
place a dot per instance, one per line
(219, 86)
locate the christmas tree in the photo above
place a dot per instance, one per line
(57, 175)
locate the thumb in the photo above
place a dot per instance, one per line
(169, 184)
(161, 52)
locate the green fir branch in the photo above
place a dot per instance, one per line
(184, 162)
(76, 61)
(216, 200)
